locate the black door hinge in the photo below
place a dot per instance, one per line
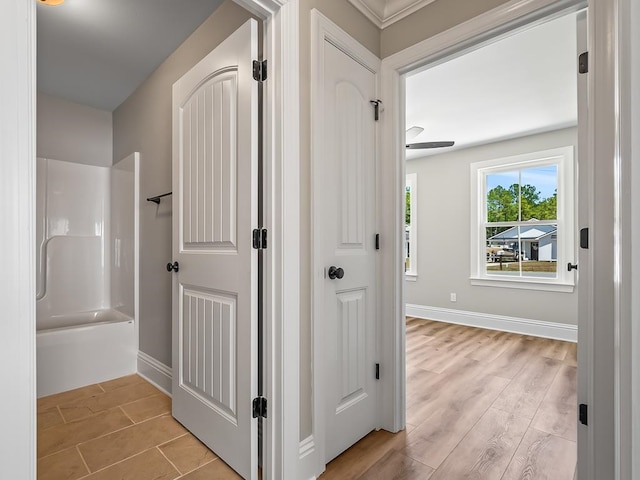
(377, 241)
(259, 407)
(583, 62)
(259, 238)
(584, 238)
(259, 70)
(377, 371)
(582, 415)
(376, 108)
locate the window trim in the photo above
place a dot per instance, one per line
(563, 157)
(412, 182)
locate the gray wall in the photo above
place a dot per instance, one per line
(73, 132)
(435, 18)
(143, 123)
(443, 226)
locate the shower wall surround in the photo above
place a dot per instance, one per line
(72, 246)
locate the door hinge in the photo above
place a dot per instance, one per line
(377, 241)
(259, 70)
(377, 371)
(376, 108)
(259, 407)
(259, 238)
(583, 62)
(582, 415)
(584, 238)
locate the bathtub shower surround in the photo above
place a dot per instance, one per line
(86, 249)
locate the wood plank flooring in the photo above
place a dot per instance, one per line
(481, 405)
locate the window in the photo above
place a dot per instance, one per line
(523, 221)
(411, 228)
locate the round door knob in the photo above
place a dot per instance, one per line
(335, 272)
(175, 266)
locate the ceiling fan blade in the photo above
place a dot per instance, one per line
(418, 146)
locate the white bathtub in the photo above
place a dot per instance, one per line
(83, 348)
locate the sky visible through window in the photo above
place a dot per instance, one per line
(544, 179)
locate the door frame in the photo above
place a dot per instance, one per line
(603, 450)
(323, 30)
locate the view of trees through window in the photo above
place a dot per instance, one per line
(521, 215)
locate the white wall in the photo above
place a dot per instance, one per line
(73, 132)
(444, 235)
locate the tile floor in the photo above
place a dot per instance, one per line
(119, 430)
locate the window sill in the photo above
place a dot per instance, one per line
(411, 277)
(523, 284)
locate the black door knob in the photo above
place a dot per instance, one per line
(571, 267)
(335, 272)
(175, 266)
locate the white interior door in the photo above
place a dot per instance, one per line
(215, 290)
(346, 202)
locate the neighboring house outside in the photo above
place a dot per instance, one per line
(539, 242)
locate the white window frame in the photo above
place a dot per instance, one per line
(564, 159)
(412, 182)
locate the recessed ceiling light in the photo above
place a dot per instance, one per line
(51, 3)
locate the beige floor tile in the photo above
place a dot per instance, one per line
(187, 453)
(122, 382)
(45, 403)
(148, 408)
(88, 406)
(148, 465)
(125, 443)
(216, 470)
(49, 418)
(60, 437)
(64, 465)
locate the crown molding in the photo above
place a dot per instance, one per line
(385, 12)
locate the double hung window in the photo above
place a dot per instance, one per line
(523, 221)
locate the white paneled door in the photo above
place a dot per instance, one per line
(346, 204)
(215, 114)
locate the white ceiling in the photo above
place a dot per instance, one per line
(96, 52)
(520, 85)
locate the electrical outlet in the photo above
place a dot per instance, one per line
(453, 297)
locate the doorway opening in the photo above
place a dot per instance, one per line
(491, 288)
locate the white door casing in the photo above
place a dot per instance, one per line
(584, 274)
(215, 122)
(344, 205)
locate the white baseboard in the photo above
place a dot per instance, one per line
(155, 372)
(524, 326)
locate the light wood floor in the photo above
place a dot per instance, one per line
(119, 430)
(481, 405)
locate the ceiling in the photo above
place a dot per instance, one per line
(96, 52)
(520, 85)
